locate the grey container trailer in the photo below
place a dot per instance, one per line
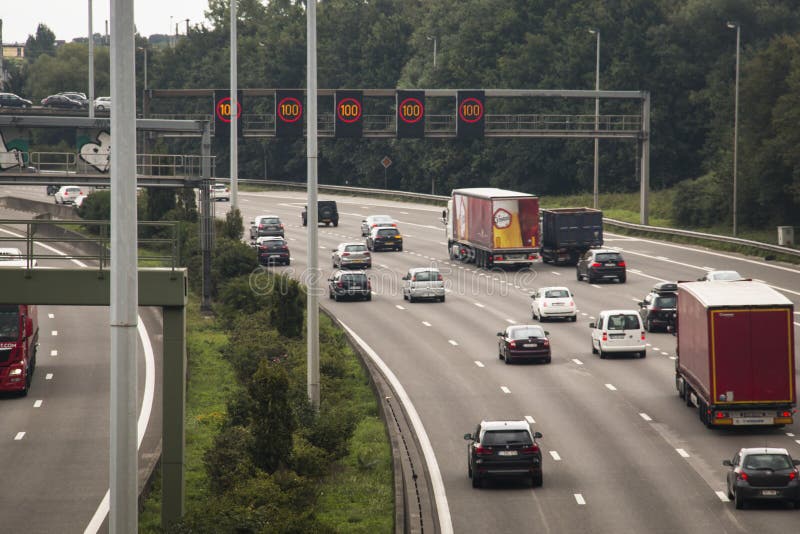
(569, 232)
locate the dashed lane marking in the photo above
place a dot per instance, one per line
(722, 496)
(664, 353)
(37, 404)
(453, 342)
(399, 307)
(54, 332)
(579, 499)
(595, 285)
(48, 376)
(53, 352)
(555, 456)
(505, 390)
(682, 453)
(556, 273)
(511, 321)
(611, 387)
(426, 323)
(19, 436)
(530, 420)
(577, 361)
(478, 304)
(51, 316)
(645, 417)
(479, 364)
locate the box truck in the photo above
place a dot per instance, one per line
(736, 353)
(19, 340)
(492, 227)
(569, 232)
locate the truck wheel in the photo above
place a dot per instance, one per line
(688, 392)
(648, 325)
(681, 390)
(643, 354)
(600, 351)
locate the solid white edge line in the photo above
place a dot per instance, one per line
(439, 495)
(144, 418)
(48, 247)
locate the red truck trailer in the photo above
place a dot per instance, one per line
(489, 226)
(19, 339)
(736, 353)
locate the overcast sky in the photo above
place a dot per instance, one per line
(70, 18)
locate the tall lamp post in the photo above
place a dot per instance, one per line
(91, 64)
(433, 38)
(596, 190)
(738, 28)
(234, 113)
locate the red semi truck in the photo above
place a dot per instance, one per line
(736, 353)
(19, 339)
(489, 226)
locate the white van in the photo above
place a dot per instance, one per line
(423, 283)
(618, 331)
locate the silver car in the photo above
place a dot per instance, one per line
(374, 221)
(423, 283)
(351, 255)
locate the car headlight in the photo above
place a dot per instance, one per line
(15, 372)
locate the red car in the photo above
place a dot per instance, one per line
(523, 341)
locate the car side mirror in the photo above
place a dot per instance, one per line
(796, 462)
(500, 334)
(252, 222)
(405, 277)
(641, 304)
(699, 279)
(728, 463)
(444, 215)
(468, 436)
(592, 325)
(330, 279)
(546, 333)
(537, 435)
(533, 296)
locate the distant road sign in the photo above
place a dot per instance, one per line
(222, 113)
(386, 162)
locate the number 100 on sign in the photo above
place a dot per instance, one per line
(410, 114)
(289, 113)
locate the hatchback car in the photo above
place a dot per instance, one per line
(220, 192)
(504, 449)
(618, 331)
(272, 249)
(601, 264)
(266, 225)
(523, 342)
(552, 302)
(763, 474)
(352, 285)
(423, 283)
(382, 238)
(67, 194)
(373, 221)
(659, 307)
(10, 100)
(351, 255)
(725, 276)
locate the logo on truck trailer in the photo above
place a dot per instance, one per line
(502, 218)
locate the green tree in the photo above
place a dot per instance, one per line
(44, 42)
(273, 423)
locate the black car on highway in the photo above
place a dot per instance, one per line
(523, 342)
(61, 102)
(273, 249)
(353, 285)
(601, 264)
(500, 449)
(327, 213)
(10, 100)
(659, 307)
(385, 238)
(763, 474)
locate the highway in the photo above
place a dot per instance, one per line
(622, 453)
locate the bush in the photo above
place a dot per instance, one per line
(232, 227)
(230, 259)
(700, 202)
(272, 422)
(308, 460)
(287, 307)
(229, 461)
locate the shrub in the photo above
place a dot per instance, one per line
(308, 460)
(272, 422)
(229, 260)
(229, 461)
(700, 202)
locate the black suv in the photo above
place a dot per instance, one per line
(327, 213)
(349, 285)
(10, 100)
(659, 306)
(504, 449)
(601, 264)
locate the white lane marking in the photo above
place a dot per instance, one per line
(442, 243)
(323, 247)
(555, 456)
(656, 348)
(556, 273)
(478, 304)
(584, 314)
(682, 453)
(595, 285)
(141, 425)
(511, 321)
(797, 441)
(707, 268)
(611, 387)
(722, 496)
(790, 434)
(591, 317)
(440, 498)
(505, 390)
(404, 212)
(399, 307)
(673, 357)
(53, 352)
(37, 404)
(661, 258)
(48, 247)
(577, 361)
(579, 499)
(48, 376)
(635, 271)
(479, 364)
(54, 332)
(645, 416)
(426, 323)
(665, 353)
(51, 316)
(634, 299)
(530, 419)
(647, 345)
(19, 436)
(452, 342)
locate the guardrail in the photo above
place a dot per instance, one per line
(658, 230)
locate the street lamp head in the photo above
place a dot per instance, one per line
(594, 31)
(732, 24)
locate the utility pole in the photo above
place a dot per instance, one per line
(314, 273)
(91, 64)
(187, 26)
(234, 114)
(738, 28)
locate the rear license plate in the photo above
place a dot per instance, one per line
(610, 264)
(769, 492)
(616, 336)
(530, 345)
(507, 453)
(752, 420)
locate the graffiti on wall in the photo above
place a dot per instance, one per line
(13, 153)
(96, 152)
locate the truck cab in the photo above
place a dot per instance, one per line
(19, 341)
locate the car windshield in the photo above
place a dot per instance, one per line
(525, 332)
(666, 301)
(506, 437)
(607, 257)
(270, 220)
(623, 322)
(726, 275)
(767, 461)
(387, 231)
(426, 276)
(355, 248)
(219, 186)
(557, 294)
(9, 323)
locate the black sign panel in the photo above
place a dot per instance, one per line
(222, 113)
(349, 113)
(289, 113)
(471, 120)
(410, 114)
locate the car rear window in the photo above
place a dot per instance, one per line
(557, 294)
(526, 332)
(623, 322)
(767, 461)
(73, 190)
(355, 248)
(608, 257)
(270, 220)
(387, 231)
(426, 276)
(666, 301)
(506, 437)
(354, 277)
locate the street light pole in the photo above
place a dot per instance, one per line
(596, 189)
(91, 64)
(738, 27)
(314, 272)
(433, 38)
(234, 114)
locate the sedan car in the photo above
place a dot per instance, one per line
(618, 331)
(725, 276)
(382, 238)
(523, 341)
(373, 221)
(552, 302)
(504, 449)
(272, 249)
(352, 285)
(67, 194)
(351, 255)
(61, 102)
(102, 103)
(264, 225)
(10, 100)
(763, 474)
(659, 307)
(601, 264)
(13, 257)
(220, 192)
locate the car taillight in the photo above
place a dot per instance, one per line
(642, 335)
(497, 258)
(260, 226)
(439, 277)
(546, 343)
(285, 249)
(366, 253)
(339, 284)
(605, 336)
(620, 264)
(483, 451)
(595, 264)
(742, 476)
(793, 475)
(786, 414)
(532, 256)
(262, 248)
(345, 253)
(393, 224)
(512, 344)
(655, 309)
(572, 304)
(533, 449)
(414, 278)
(281, 225)
(721, 415)
(544, 303)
